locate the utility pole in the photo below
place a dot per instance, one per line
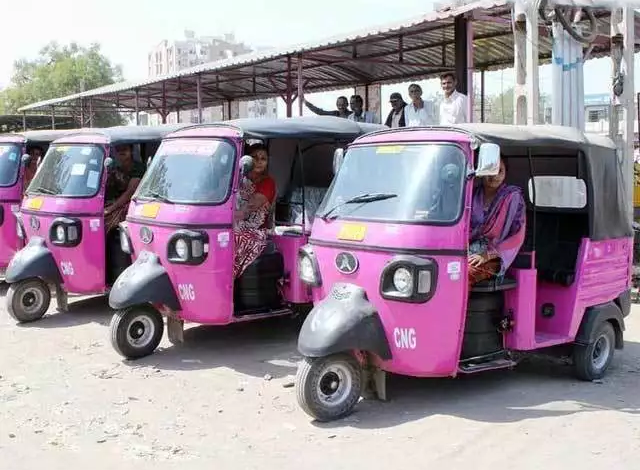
(622, 102)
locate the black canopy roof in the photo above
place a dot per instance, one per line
(304, 127)
(128, 134)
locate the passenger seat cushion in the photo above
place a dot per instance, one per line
(495, 285)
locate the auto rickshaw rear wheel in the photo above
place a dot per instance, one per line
(592, 361)
(28, 300)
(136, 331)
(328, 388)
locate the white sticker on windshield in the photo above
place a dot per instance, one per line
(86, 151)
(78, 169)
(93, 161)
(13, 156)
(93, 178)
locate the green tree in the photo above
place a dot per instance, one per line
(500, 109)
(59, 71)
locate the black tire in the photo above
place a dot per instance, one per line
(316, 374)
(28, 300)
(592, 361)
(136, 332)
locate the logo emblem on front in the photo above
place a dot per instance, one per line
(146, 235)
(346, 263)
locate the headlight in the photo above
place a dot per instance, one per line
(403, 281)
(188, 247)
(308, 270)
(125, 243)
(19, 229)
(65, 232)
(409, 279)
(182, 250)
(60, 234)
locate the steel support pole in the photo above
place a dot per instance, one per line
(199, 97)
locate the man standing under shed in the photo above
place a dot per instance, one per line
(415, 113)
(454, 108)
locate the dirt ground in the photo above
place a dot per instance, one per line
(225, 400)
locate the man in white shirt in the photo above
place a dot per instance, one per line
(359, 114)
(415, 113)
(454, 108)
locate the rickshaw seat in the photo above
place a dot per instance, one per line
(558, 276)
(495, 285)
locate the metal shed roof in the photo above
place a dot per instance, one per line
(420, 48)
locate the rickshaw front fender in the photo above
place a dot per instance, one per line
(145, 281)
(34, 260)
(344, 321)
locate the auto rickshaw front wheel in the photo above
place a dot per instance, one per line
(28, 300)
(328, 388)
(137, 331)
(591, 361)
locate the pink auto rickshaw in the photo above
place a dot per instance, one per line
(180, 228)
(387, 260)
(14, 156)
(62, 218)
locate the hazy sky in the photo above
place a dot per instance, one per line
(128, 29)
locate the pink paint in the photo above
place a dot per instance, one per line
(425, 339)
(87, 261)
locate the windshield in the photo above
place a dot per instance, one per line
(399, 183)
(69, 170)
(9, 164)
(195, 171)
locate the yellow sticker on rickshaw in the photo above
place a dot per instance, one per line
(150, 210)
(352, 232)
(35, 203)
(390, 149)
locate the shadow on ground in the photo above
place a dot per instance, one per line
(253, 348)
(82, 310)
(539, 387)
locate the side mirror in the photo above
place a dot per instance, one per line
(338, 158)
(488, 160)
(109, 163)
(25, 159)
(246, 165)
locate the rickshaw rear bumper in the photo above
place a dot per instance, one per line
(34, 260)
(145, 281)
(344, 321)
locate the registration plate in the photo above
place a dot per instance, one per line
(150, 210)
(35, 203)
(352, 232)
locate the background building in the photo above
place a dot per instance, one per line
(171, 56)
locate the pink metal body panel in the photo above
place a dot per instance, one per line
(10, 198)
(212, 280)
(87, 260)
(602, 273)
(294, 290)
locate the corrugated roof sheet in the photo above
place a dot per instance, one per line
(365, 56)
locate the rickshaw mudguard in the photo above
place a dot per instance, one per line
(144, 281)
(343, 321)
(594, 316)
(34, 260)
